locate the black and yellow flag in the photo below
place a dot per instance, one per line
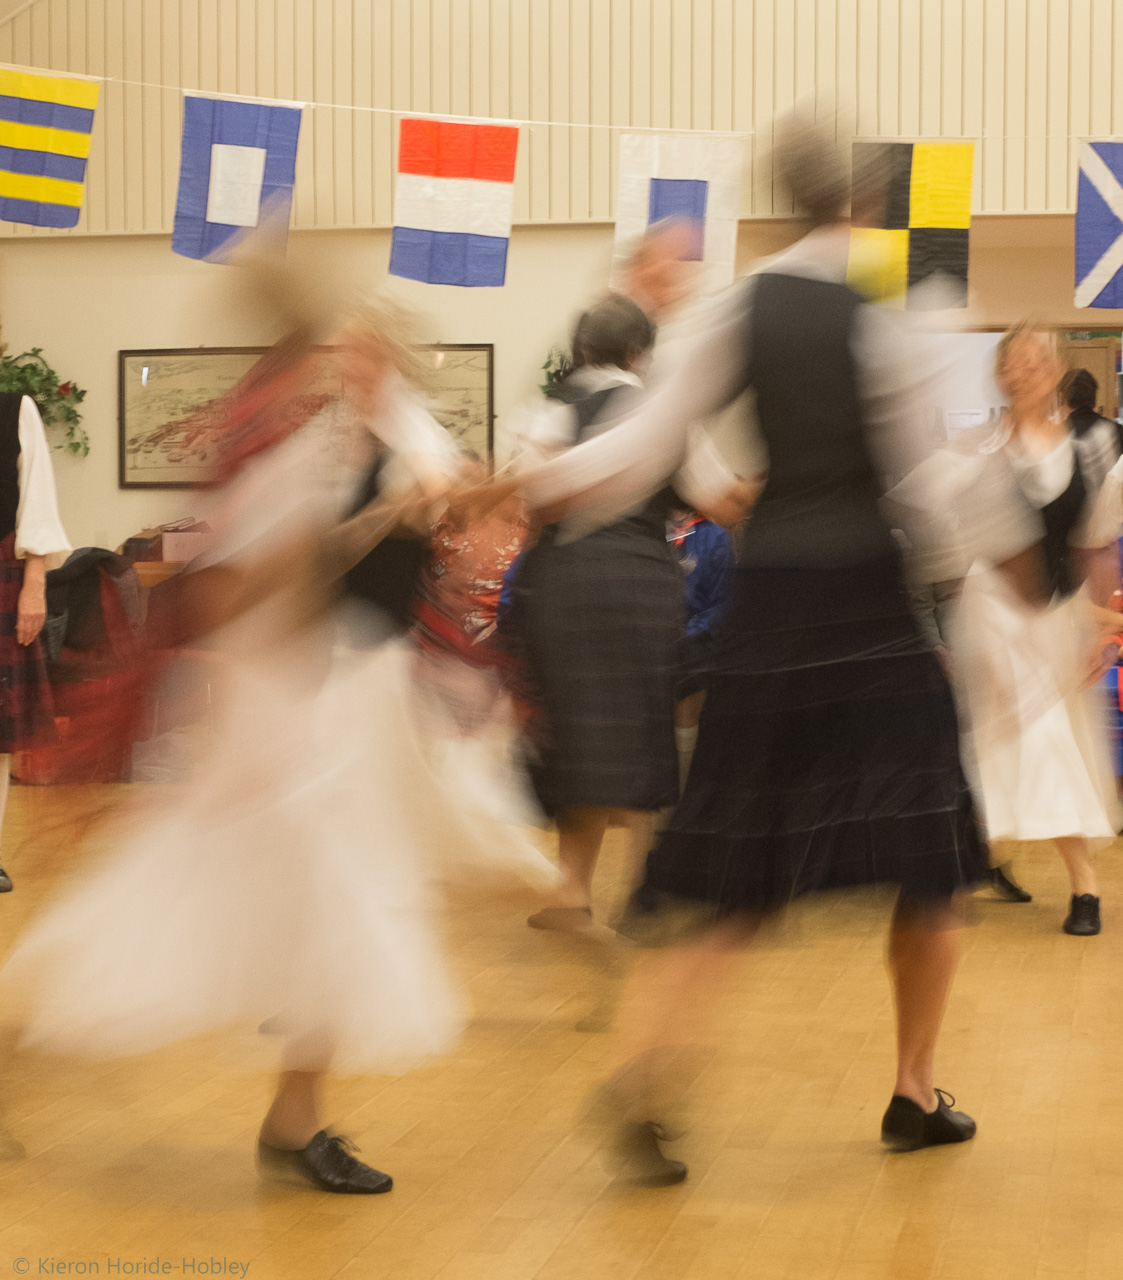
(921, 229)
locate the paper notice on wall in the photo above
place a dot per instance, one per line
(956, 420)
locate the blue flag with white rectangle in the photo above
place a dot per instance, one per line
(239, 159)
(693, 180)
(1099, 225)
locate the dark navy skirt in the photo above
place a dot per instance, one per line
(828, 752)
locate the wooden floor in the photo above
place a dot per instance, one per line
(151, 1159)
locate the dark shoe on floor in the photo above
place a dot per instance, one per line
(5, 881)
(1007, 887)
(906, 1126)
(1083, 916)
(642, 1161)
(327, 1163)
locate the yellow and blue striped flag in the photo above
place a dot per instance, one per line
(45, 125)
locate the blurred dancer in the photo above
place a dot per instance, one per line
(30, 534)
(1038, 748)
(601, 624)
(291, 881)
(828, 747)
(656, 276)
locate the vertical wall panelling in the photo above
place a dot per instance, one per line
(1037, 103)
(342, 89)
(601, 167)
(1016, 116)
(541, 139)
(992, 35)
(557, 39)
(303, 90)
(1057, 150)
(362, 158)
(580, 149)
(910, 70)
(660, 88)
(376, 145)
(721, 75)
(1024, 77)
(1104, 14)
(867, 93)
(519, 104)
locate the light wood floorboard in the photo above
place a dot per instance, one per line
(496, 1179)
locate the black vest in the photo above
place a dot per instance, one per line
(10, 402)
(819, 507)
(590, 409)
(388, 576)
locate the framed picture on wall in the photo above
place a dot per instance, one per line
(170, 420)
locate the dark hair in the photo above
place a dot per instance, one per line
(1078, 389)
(614, 332)
(814, 169)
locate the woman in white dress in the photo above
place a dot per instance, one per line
(292, 881)
(1035, 734)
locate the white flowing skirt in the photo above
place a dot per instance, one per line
(294, 879)
(1036, 741)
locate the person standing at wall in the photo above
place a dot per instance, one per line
(31, 533)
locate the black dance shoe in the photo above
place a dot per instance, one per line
(327, 1163)
(1083, 916)
(641, 1157)
(906, 1126)
(1007, 887)
(5, 881)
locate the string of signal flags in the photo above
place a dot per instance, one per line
(454, 191)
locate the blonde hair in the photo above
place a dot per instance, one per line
(400, 331)
(1015, 334)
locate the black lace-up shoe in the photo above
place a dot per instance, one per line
(1007, 887)
(5, 881)
(642, 1162)
(908, 1127)
(327, 1163)
(1083, 915)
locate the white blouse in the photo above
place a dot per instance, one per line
(39, 530)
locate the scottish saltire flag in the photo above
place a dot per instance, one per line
(452, 204)
(1099, 225)
(925, 226)
(692, 178)
(45, 126)
(239, 159)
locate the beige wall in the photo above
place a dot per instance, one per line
(84, 299)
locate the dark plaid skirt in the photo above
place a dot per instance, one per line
(599, 625)
(828, 752)
(26, 709)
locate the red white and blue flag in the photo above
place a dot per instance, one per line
(452, 204)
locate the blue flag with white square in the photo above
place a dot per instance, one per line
(239, 160)
(1099, 225)
(693, 179)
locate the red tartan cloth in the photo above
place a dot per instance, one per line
(26, 707)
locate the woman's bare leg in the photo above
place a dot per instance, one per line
(923, 955)
(296, 1113)
(294, 1118)
(580, 835)
(667, 1007)
(1081, 873)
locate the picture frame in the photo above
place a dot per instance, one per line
(169, 429)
